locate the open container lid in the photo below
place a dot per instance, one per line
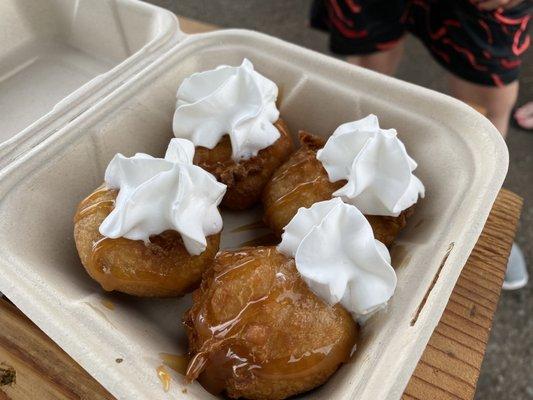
(58, 57)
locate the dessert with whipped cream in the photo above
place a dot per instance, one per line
(154, 226)
(230, 115)
(336, 254)
(273, 322)
(266, 322)
(361, 164)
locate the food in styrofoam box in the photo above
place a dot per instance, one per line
(154, 226)
(461, 159)
(230, 115)
(327, 251)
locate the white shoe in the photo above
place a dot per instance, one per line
(516, 276)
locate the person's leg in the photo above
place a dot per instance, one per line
(385, 62)
(481, 50)
(483, 53)
(369, 33)
(495, 102)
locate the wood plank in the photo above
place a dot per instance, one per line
(450, 365)
(191, 26)
(43, 370)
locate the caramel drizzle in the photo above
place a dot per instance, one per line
(292, 195)
(225, 328)
(226, 334)
(196, 366)
(94, 260)
(87, 205)
(177, 362)
(289, 170)
(164, 377)
(244, 262)
(94, 195)
(106, 205)
(250, 227)
(93, 204)
(99, 248)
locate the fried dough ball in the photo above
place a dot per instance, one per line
(302, 181)
(386, 228)
(245, 179)
(256, 330)
(161, 268)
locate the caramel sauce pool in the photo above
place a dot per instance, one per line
(164, 377)
(177, 362)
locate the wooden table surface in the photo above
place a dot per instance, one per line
(448, 369)
(33, 367)
(450, 365)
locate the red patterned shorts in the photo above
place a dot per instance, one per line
(481, 47)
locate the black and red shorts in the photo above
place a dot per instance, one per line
(479, 46)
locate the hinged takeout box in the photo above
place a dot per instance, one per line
(57, 57)
(462, 162)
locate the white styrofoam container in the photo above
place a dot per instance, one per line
(57, 57)
(462, 162)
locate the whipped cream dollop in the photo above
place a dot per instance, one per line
(376, 165)
(236, 101)
(159, 194)
(336, 254)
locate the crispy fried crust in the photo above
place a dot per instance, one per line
(302, 181)
(256, 330)
(386, 229)
(245, 179)
(161, 268)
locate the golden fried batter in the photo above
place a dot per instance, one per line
(256, 330)
(160, 269)
(386, 229)
(245, 179)
(300, 182)
(303, 181)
